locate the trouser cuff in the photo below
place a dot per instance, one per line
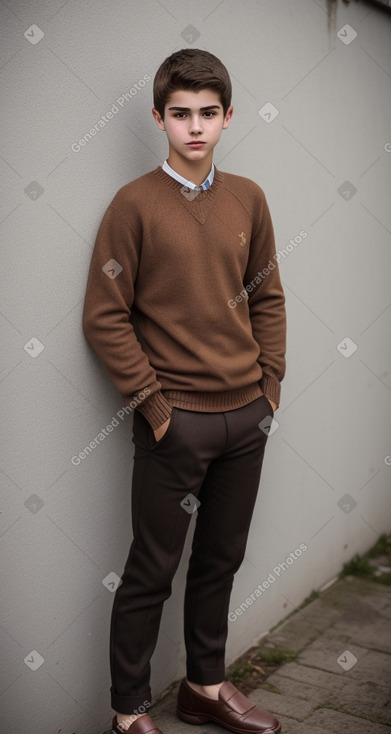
(205, 677)
(138, 704)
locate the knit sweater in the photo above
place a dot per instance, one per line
(184, 304)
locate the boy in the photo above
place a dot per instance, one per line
(202, 357)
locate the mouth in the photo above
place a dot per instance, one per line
(195, 144)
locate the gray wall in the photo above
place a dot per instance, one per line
(65, 527)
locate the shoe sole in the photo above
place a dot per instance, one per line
(199, 719)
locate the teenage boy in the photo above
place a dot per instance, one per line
(185, 308)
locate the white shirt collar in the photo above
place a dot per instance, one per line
(205, 185)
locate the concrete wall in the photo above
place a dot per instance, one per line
(324, 164)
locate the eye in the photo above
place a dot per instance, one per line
(209, 113)
(180, 115)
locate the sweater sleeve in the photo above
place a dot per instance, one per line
(266, 304)
(106, 317)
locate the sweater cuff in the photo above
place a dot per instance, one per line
(271, 387)
(155, 409)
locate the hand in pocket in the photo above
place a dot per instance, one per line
(159, 433)
(272, 403)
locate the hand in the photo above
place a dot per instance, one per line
(159, 433)
(272, 403)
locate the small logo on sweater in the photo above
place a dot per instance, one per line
(242, 239)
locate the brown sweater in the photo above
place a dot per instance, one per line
(167, 307)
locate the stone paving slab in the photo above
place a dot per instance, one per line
(370, 665)
(301, 629)
(299, 689)
(283, 705)
(346, 692)
(333, 724)
(386, 611)
(289, 726)
(368, 636)
(334, 721)
(355, 698)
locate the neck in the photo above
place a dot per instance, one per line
(195, 171)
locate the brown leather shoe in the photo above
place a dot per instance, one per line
(232, 710)
(142, 725)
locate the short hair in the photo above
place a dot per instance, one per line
(193, 69)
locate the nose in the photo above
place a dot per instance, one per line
(195, 124)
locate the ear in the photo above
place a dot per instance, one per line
(228, 117)
(158, 118)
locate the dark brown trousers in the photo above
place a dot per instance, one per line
(216, 458)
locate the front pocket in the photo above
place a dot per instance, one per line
(167, 434)
(262, 407)
(269, 403)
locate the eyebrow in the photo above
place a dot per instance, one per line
(202, 109)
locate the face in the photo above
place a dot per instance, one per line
(193, 122)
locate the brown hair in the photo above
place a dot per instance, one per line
(194, 69)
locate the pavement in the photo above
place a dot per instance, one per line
(340, 680)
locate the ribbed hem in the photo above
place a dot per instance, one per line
(271, 387)
(213, 402)
(155, 409)
(158, 408)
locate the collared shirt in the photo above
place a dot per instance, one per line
(205, 185)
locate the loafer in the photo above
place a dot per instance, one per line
(232, 710)
(142, 725)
